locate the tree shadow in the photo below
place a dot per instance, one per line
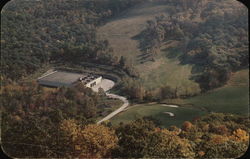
(177, 53)
(172, 53)
(144, 56)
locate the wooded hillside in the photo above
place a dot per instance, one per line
(36, 33)
(212, 36)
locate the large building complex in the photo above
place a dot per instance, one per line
(68, 79)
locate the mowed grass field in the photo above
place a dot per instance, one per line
(231, 98)
(157, 112)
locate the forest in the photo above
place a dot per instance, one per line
(55, 31)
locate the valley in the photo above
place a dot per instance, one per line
(121, 31)
(124, 79)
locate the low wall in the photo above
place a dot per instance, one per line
(104, 73)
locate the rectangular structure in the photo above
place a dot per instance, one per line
(68, 79)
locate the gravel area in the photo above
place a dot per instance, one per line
(106, 85)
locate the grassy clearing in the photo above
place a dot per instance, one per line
(120, 33)
(224, 100)
(169, 72)
(120, 30)
(232, 98)
(157, 111)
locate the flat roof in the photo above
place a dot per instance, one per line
(64, 78)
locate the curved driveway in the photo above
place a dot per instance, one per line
(106, 85)
(126, 103)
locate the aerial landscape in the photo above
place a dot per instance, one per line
(124, 79)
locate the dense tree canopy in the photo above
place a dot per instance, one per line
(35, 33)
(213, 37)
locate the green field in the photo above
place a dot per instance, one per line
(224, 100)
(157, 111)
(166, 72)
(231, 98)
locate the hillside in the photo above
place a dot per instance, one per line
(120, 30)
(121, 33)
(54, 32)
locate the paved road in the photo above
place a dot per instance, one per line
(126, 103)
(106, 85)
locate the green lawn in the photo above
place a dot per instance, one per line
(224, 100)
(168, 72)
(231, 98)
(157, 111)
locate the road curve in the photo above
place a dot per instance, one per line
(126, 103)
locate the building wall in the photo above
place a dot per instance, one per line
(53, 84)
(98, 80)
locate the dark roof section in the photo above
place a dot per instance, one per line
(60, 78)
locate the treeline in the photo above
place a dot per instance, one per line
(213, 37)
(35, 33)
(136, 92)
(108, 8)
(44, 135)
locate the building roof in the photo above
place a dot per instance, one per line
(60, 78)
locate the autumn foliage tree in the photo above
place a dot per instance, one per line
(142, 138)
(173, 146)
(217, 135)
(90, 141)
